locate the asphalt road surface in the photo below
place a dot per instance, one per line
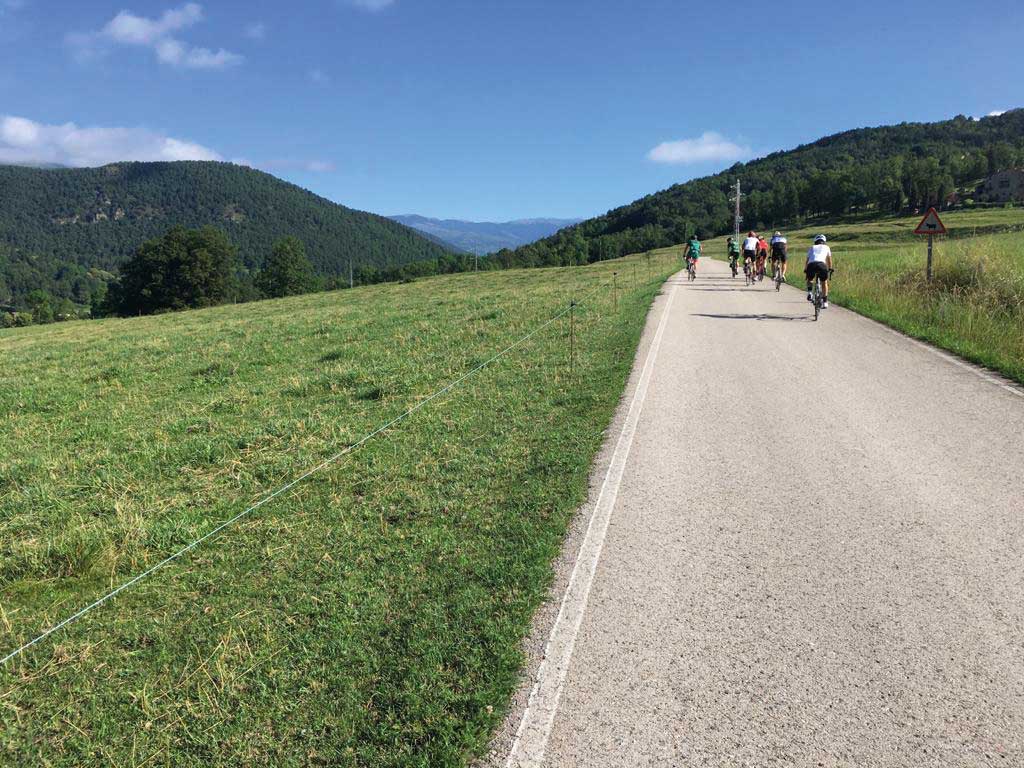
(811, 554)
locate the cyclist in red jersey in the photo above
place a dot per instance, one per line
(762, 256)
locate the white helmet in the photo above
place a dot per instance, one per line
(820, 239)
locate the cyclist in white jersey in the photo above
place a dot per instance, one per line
(819, 264)
(749, 251)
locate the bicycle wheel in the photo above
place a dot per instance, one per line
(817, 299)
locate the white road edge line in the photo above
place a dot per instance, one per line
(949, 357)
(534, 730)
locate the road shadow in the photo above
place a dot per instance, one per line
(759, 316)
(700, 280)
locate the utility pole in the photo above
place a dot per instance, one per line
(738, 217)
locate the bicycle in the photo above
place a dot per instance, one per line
(778, 278)
(748, 271)
(733, 265)
(816, 298)
(691, 269)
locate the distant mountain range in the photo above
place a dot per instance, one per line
(485, 236)
(68, 230)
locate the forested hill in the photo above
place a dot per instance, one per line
(67, 230)
(882, 170)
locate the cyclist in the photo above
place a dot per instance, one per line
(749, 251)
(734, 254)
(693, 252)
(819, 265)
(780, 254)
(762, 256)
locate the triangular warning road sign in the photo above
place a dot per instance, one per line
(931, 224)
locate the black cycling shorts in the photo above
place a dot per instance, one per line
(816, 269)
(752, 255)
(779, 256)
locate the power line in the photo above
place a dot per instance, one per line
(738, 218)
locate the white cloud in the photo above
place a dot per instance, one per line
(256, 31)
(126, 28)
(996, 113)
(319, 77)
(130, 29)
(28, 142)
(176, 53)
(371, 5)
(320, 166)
(710, 147)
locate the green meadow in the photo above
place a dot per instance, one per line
(973, 307)
(371, 615)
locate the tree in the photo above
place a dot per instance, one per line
(185, 268)
(1000, 157)
(40, 303)
(288, 271)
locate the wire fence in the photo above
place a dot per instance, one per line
(569, 309)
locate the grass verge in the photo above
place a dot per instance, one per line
(371, 616)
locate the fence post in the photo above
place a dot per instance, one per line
(615, 291)
(572, 337)
(928, 272)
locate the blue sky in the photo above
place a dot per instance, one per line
(486, 109)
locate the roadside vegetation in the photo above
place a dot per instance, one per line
(974, 306)
(372, 615)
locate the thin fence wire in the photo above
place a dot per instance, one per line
(288, 486)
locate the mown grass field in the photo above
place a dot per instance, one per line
(974, 306)
(372, 615)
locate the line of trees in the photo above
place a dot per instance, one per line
(194, 268)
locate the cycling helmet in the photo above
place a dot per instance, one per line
(751, 233)
(778, 234)
(820, 239)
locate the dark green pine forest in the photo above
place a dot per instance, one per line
(68, 231)
(869, 171)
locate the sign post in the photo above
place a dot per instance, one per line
(930, 225)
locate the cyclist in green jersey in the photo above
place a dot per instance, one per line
(693, 252)
(734, 255)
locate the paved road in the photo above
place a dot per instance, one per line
(865, 607)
